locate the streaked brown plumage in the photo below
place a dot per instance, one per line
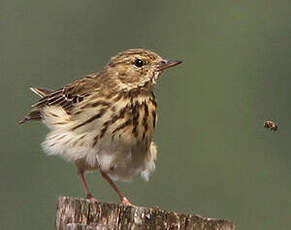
(106, 120)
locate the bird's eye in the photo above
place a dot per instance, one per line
(138, 63)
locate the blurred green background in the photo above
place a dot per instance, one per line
(215, 157)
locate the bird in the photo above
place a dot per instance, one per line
(105, 120)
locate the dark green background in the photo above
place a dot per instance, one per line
(215, 157)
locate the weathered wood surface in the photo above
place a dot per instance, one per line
(82, 214)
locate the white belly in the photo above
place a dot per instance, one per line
(121, 150)
(118, 159)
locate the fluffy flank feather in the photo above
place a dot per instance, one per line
(150, 162)
(55, 117)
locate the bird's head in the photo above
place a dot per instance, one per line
(137, 68)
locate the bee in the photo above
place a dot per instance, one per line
(271, 125)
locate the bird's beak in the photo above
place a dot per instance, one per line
(165, 64)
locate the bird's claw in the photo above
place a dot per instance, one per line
(126, 202)
(91, 197)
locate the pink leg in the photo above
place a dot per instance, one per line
(85, 186)
(123, 199)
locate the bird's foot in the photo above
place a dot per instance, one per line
(91, 197)
(126, 202)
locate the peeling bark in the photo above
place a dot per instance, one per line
(82, 214)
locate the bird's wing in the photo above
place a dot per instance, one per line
(67, 97)
(71, 94)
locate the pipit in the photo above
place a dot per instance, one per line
(106, 120)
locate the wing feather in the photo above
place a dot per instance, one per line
(67, 97)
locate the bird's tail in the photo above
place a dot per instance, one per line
(34, 114)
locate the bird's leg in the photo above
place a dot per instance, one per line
(123, 199)
(85, 186)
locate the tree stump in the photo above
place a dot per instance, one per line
(82, 214)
